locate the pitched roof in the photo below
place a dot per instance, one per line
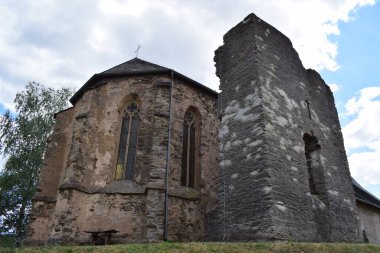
(135, 67)
(362, 195)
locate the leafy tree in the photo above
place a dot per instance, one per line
(22, 142)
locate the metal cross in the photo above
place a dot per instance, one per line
(137, 50)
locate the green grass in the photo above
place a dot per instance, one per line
(195, 247)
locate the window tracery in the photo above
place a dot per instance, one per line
(126, 158)
(188, 150)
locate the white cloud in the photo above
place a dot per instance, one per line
(355, 105)
(364, 166)
(102, 41)
(362, 135)
(309, 23)
(335, 87)
(7, 94)
(40, 42)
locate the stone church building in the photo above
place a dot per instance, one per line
(153, 155)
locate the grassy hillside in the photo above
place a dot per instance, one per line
(282, 247)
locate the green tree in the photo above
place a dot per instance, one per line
(23, 138)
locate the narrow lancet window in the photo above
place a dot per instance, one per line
(126, 158)
(188, 151)
(308, 108)
(315, 169)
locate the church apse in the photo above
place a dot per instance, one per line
(111, 169)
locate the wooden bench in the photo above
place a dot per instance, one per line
(101, 237)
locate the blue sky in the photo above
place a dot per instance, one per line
(359, 60)
(63, 43)
(358, 55)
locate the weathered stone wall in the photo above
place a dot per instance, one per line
(40, 222)
(370, 222)
(187, 206)
(90, 199)
(96, 131)
(87, 198)
(77, 212)
(268, 103)
(181, 221)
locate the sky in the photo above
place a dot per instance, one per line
(63, 43)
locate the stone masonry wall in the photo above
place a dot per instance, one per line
(244, 183)
(188, 206)
(184, 224)
(370, 222)
(268, 104)
(77, 212)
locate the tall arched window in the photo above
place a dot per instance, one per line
(128, 142)
(188, 151)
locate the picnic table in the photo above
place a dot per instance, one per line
(101, 237)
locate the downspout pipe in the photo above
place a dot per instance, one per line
(166, 201)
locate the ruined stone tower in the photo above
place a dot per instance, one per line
(283, 167)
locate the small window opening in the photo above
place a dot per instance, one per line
(188, 151)
(308, 108)
(128, 143)
(314, 165)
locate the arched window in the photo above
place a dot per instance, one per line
(314, 165)
(128, 142)
(188, 151)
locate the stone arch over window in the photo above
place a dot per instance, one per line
(126, 157)
(317, 183)
(190, 172)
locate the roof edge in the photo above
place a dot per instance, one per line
(97, 77)
(355, 183)
(367, 203)
(360, 193)
(62, 111)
